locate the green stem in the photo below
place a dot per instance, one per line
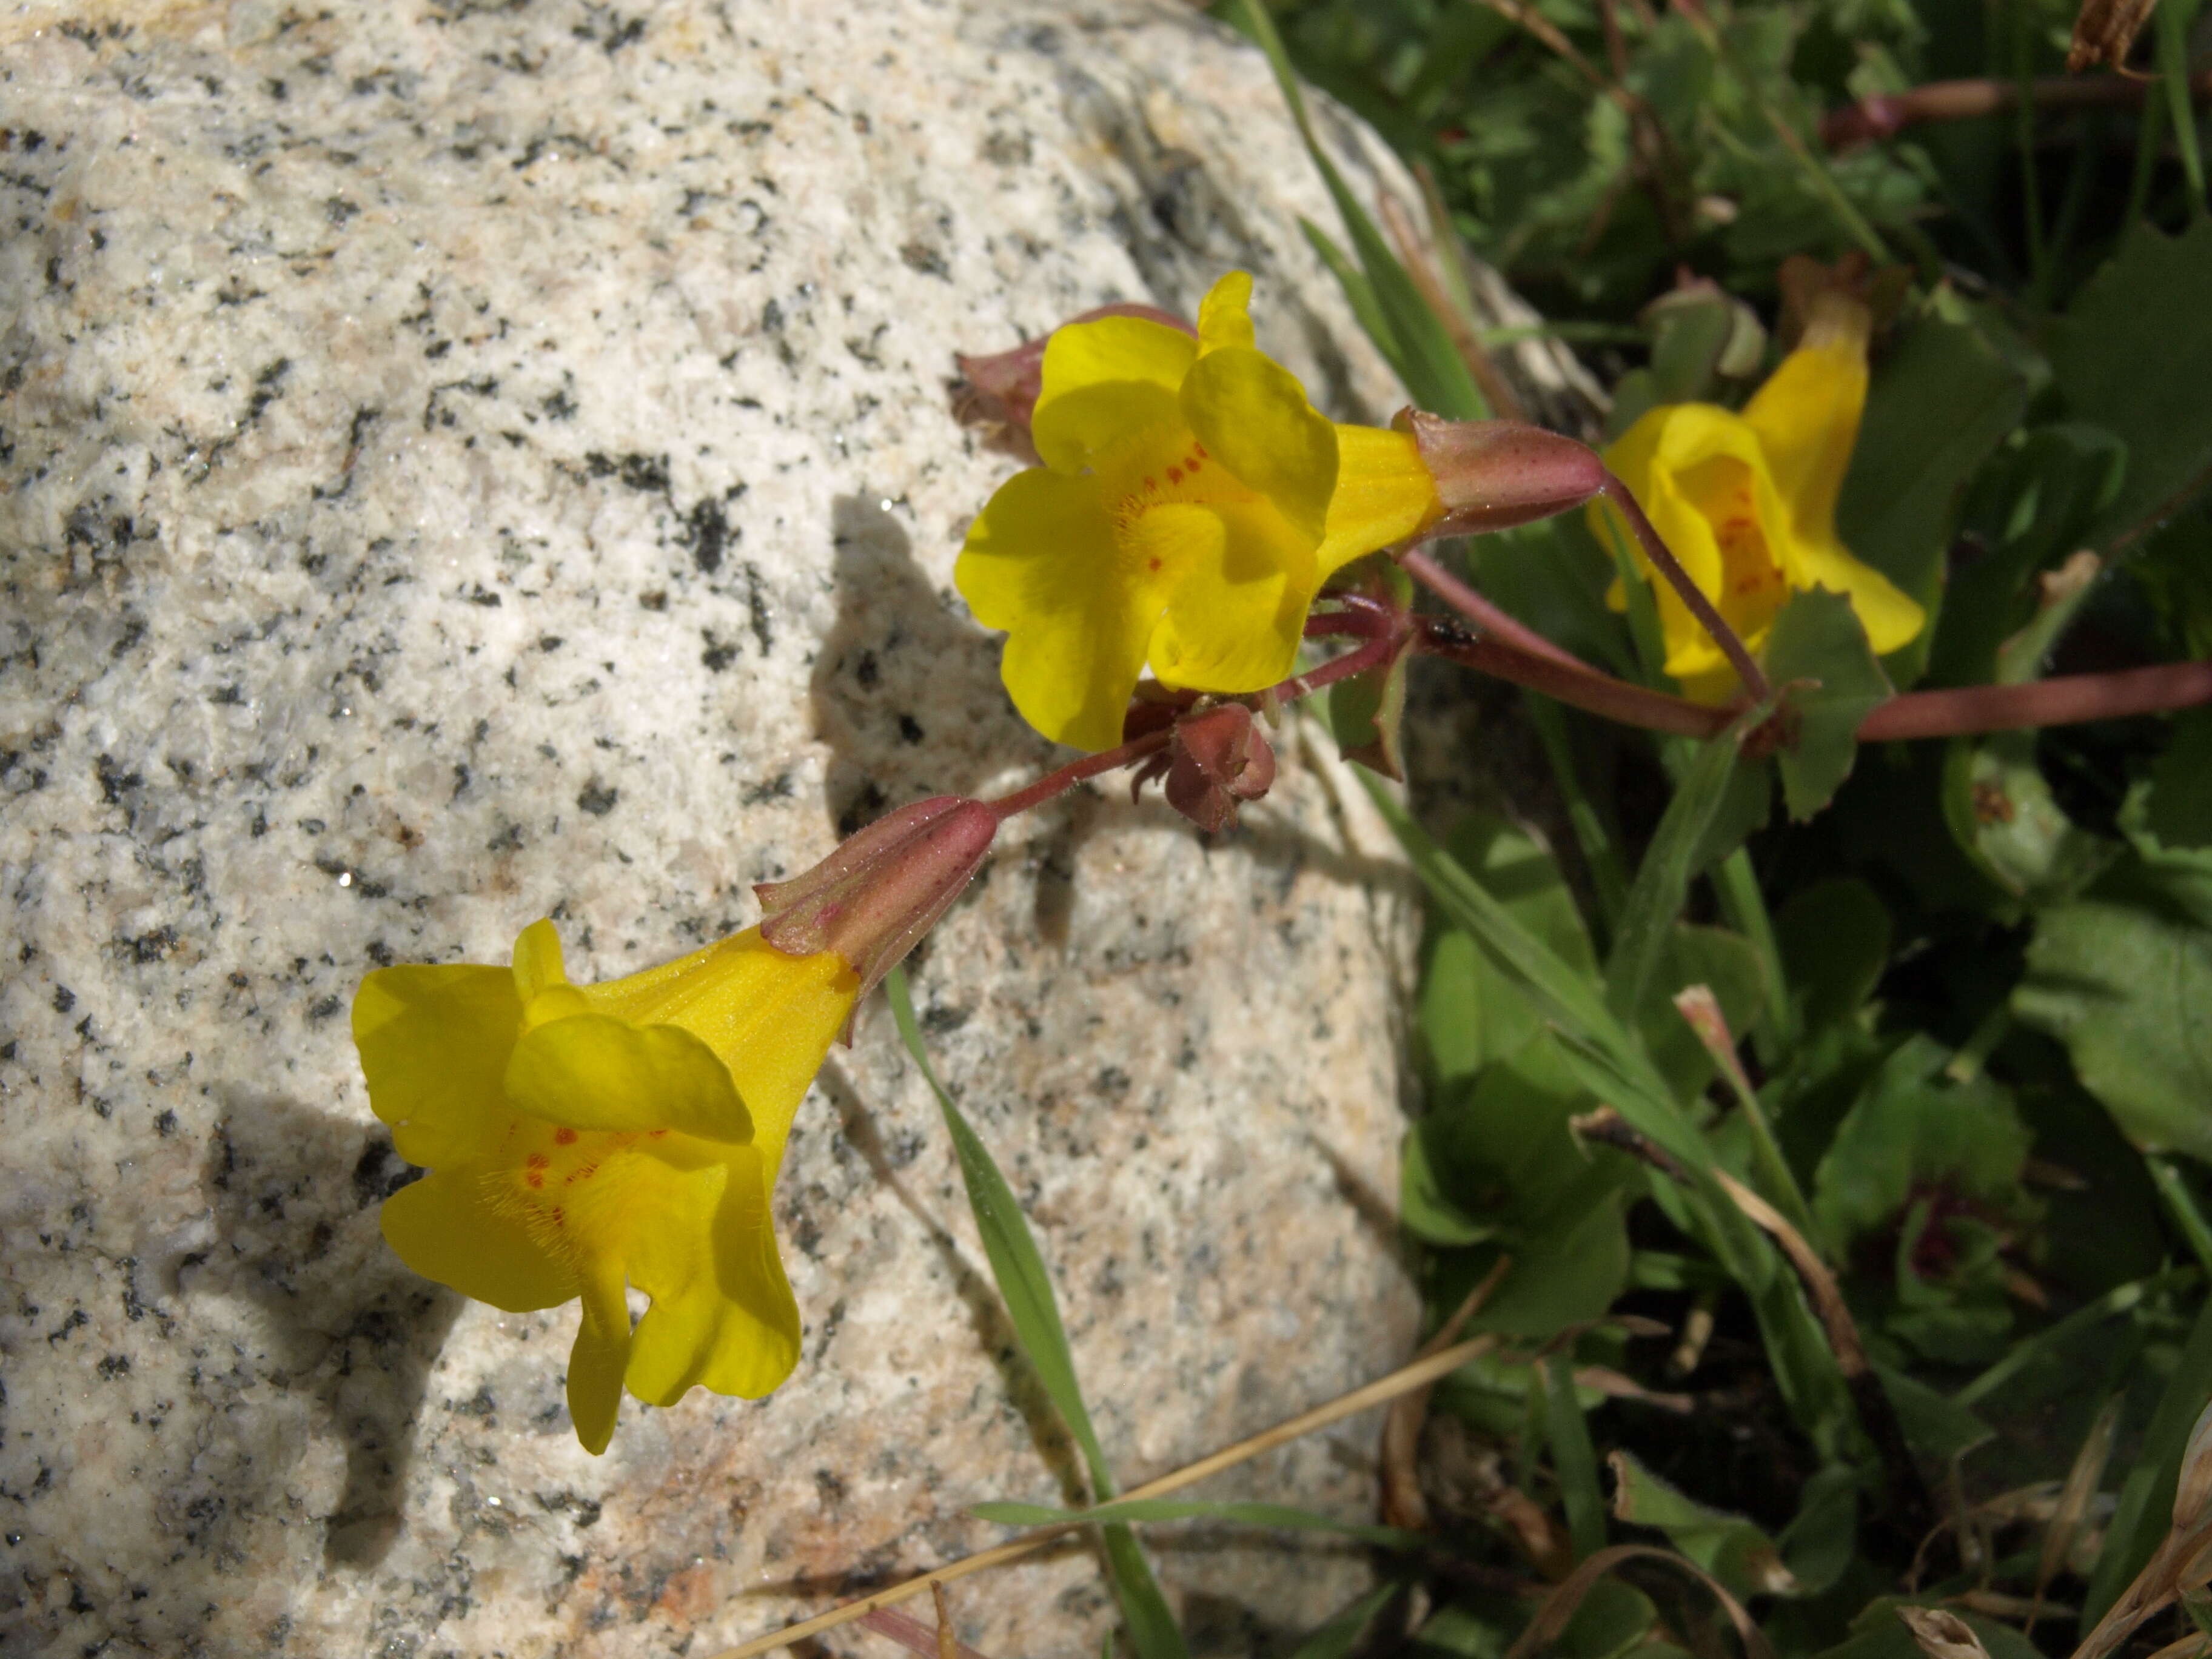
(2173, 20)
(1735, 885)
(1608, 874)
(2181, 1204)
(2146, 130)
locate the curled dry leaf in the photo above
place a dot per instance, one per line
(1942, 1635)
(2106, 31)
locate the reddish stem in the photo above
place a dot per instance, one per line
(1486, 616)
(2066, 701)
(1581, 686)
(1663, 561)
(1059, 782)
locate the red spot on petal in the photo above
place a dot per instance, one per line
(1191, 465)
(564, 1136)
(535, 1179)
(655, 1134)
(1198, 449)
(1151, 484)
(537, 1160)
(1155, 564)
(1175, 475)
(558, 1216)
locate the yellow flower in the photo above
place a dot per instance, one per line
(1190, 505)
(1747, 502)
(584, 1138)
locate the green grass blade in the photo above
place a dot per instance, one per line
(1026, 1288)
(1282, 1518)
(1024, 1283)
(1573, 1458)
(2144, 1514)
(1340, 1636)
(1153, 1629)
(1428, 363)
(1662, 881)
(1360, 294)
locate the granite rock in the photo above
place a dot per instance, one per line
(466, 462)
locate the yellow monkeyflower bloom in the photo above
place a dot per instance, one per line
(581, 1139)
(1747, 502)
(1190, 505)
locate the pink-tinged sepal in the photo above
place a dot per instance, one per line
(1218, 758)
(1493, 475)
(873, 899)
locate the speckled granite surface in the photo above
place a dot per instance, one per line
(460, 462)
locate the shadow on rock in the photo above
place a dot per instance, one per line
(986, 1313)
(906, 691)
(295, 1195)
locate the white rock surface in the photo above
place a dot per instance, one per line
(460, 462)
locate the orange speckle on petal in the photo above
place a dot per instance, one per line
(537, 1160)
(1175, 475)
(564, 1136)
(1154, 563)
(535, 1178)
(559, 1216)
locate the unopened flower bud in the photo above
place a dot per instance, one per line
(874, 897)
(1218, 758)
(1493, 475)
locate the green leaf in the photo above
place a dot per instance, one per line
(1907, 1137)
(1472, 1013)
(1416, 340)
(1817, 636)
(2179, 811)
(1935, 1426)
(2144, 1513)
(2122, 976)
(1821, 1541)
(2011, 827)
(2034, 503)
(1573, 1458)
(1662, 881)
(1940, 403)
(1725, 963)
(1281, 1518)
(1733, 1549)
(1424, 1208)
(2134, 356)
(1340, 1638)
(1879, 1633)
(1025, 1287)
(1835, 938)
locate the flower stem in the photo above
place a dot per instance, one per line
(1581, 686)
(2065, 701)
(1663, 561)
(1065, 778)
(1484, 615)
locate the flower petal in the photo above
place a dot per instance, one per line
(1384, 494)
(447, 1227)
(1042, 563)
(1102, 378)
(1807, 417)
(597, 1361)
(1225, 315)
(539, 967)
(1252, 416)
(596, 1070)
(1239, 610)
(433, 1047)
(722, 1314)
